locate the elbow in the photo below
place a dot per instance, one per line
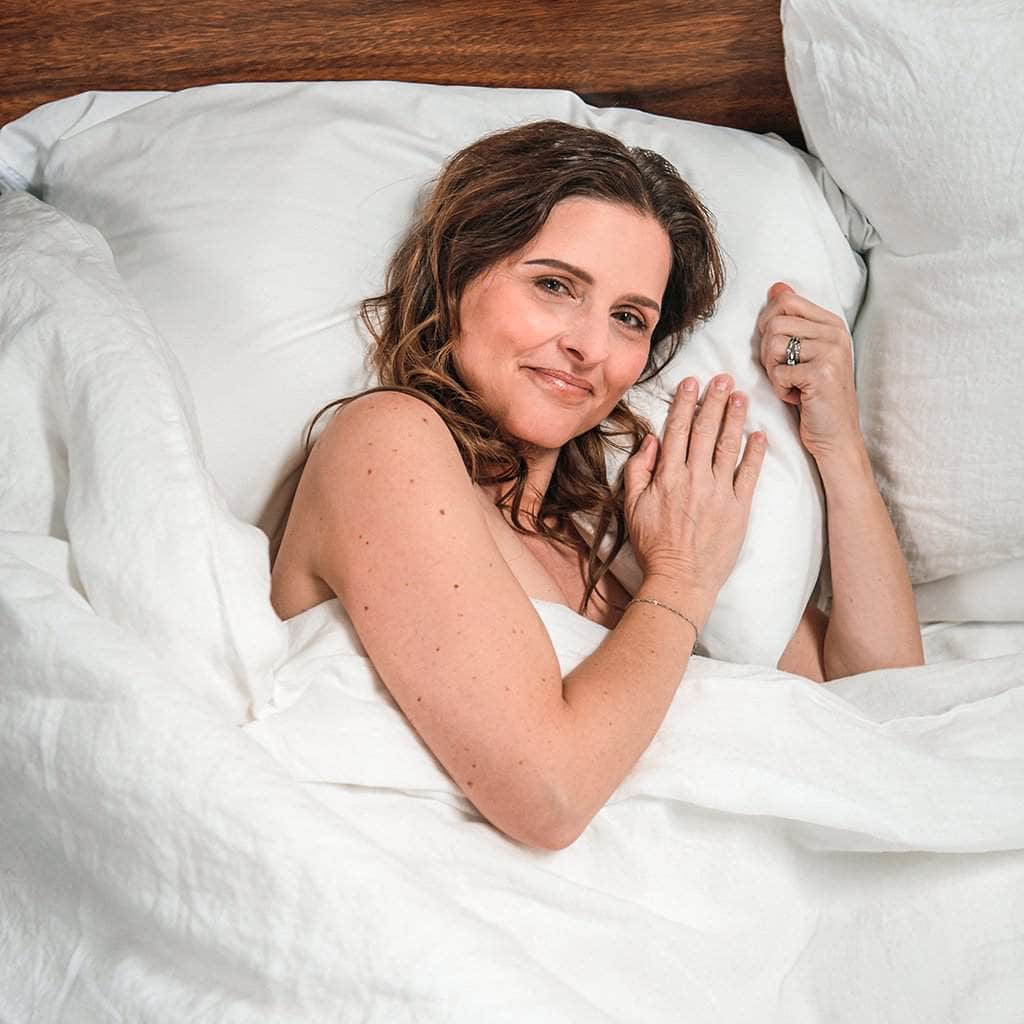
(550, 822)
(558, 836)
(835, 669)
(551, 837)
(913, 659)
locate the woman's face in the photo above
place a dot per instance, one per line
(552, 337)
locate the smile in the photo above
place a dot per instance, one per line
(560, 383)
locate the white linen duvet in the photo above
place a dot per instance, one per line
(208, 815)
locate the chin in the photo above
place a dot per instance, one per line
(548, 437)
(546, 425)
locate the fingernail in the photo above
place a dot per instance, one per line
(721, 383)
(737, 398)
(689, 385)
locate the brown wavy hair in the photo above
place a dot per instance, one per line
(487, 204)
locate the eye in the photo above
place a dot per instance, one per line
(631, 320)
(553, 285)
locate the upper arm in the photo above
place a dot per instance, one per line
(402, 540)
(805, 653)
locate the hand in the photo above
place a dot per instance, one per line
(821, 385)
(687, 502)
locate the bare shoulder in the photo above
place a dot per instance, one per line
(372, 427)
(394, 526)
(388, 451)
(378, 449)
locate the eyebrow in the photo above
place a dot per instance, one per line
(636, 300)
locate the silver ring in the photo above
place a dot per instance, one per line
(793, 351)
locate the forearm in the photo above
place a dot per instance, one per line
(874, 621)
(687, 502)
(617, 698)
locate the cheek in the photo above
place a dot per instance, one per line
(469, 369)
(634, 366)
(627, 371)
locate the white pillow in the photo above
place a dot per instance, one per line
(25, 143)
(992, 594)
(916, 108)
(251, 219)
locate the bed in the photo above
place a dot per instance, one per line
(212, 815)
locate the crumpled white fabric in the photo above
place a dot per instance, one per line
(782, 852)
(99, 447)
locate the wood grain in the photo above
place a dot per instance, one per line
(702, 60)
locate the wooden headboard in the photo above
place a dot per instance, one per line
(719, 61)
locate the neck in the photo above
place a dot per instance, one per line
(540, 467)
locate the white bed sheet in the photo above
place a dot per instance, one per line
(782, 852)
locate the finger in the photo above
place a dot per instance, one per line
(775, 295)
(798, 326)
(779, 329)
(727, 451)
(776, 350)
(787, 381)
(639, 469)
(749, 469)
(789, 303)
(707, 424)
(676, 441)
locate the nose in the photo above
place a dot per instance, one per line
(586, 339)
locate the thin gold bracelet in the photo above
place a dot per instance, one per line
(669, 608)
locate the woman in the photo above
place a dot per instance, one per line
(550, 269)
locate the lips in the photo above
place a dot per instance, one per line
(559, 378)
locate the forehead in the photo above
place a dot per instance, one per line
(605, 239)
